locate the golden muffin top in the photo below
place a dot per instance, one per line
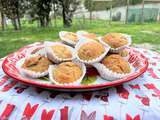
(71, 36)
(67, 72)
(116, 63)
(37, 64)
(115, 40)
(62, 51)
(91, 50)
(91, 36)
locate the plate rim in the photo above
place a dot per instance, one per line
(72, 87)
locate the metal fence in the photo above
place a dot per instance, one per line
(146, 11)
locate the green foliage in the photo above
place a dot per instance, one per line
(13, 8)
(39, 10)
(103, 5)
(94, 5)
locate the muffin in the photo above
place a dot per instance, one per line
(124, 53)
(59, 52)
(90, 50)
(62, 51)
(67, 73)
(90, 36)
(116, 63)
(69, 38)
(115, 40)
(113, 67)
(36, 66)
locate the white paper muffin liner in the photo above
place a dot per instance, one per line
(40, 51)
(52, 56)
(66, 40)
(117, 50)
(109, 74)
(81, 32)
(77, 82)
(30, 73)
(98, 59)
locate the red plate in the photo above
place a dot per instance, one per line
(139, 62)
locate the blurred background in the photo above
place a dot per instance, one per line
(26, 21)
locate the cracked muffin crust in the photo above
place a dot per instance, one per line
(116, 63)
(67, 72)
(71, 36)
(115, 40)
(62, 51)
(91, 50)
(91, 36)
(37, 63)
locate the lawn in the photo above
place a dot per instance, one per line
(11, 40)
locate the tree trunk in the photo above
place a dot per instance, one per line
(14, 24)
(55, 18)
(19, 20)
(42, 22)
(43, 12)
(2, 21)
(90, 12)
(47, 20)
(126, 20)
(48, 9)
(19, 23)
(66, 17)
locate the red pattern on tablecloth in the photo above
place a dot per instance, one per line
(29, 111)
(7, 112)
(47, 115)
(128, 117)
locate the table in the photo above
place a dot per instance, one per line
(135, 100)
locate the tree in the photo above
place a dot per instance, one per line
(40, 10)
(2, 20)
(68, 8)
(14, 10)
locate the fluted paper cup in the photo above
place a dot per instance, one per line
(29, 73)
(98, 59)
(109, 74)
(77, 82)
(52, 56)
(117, 50)
(66, 40)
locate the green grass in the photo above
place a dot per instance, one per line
(11, 40)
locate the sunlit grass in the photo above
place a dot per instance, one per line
(11, 40)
